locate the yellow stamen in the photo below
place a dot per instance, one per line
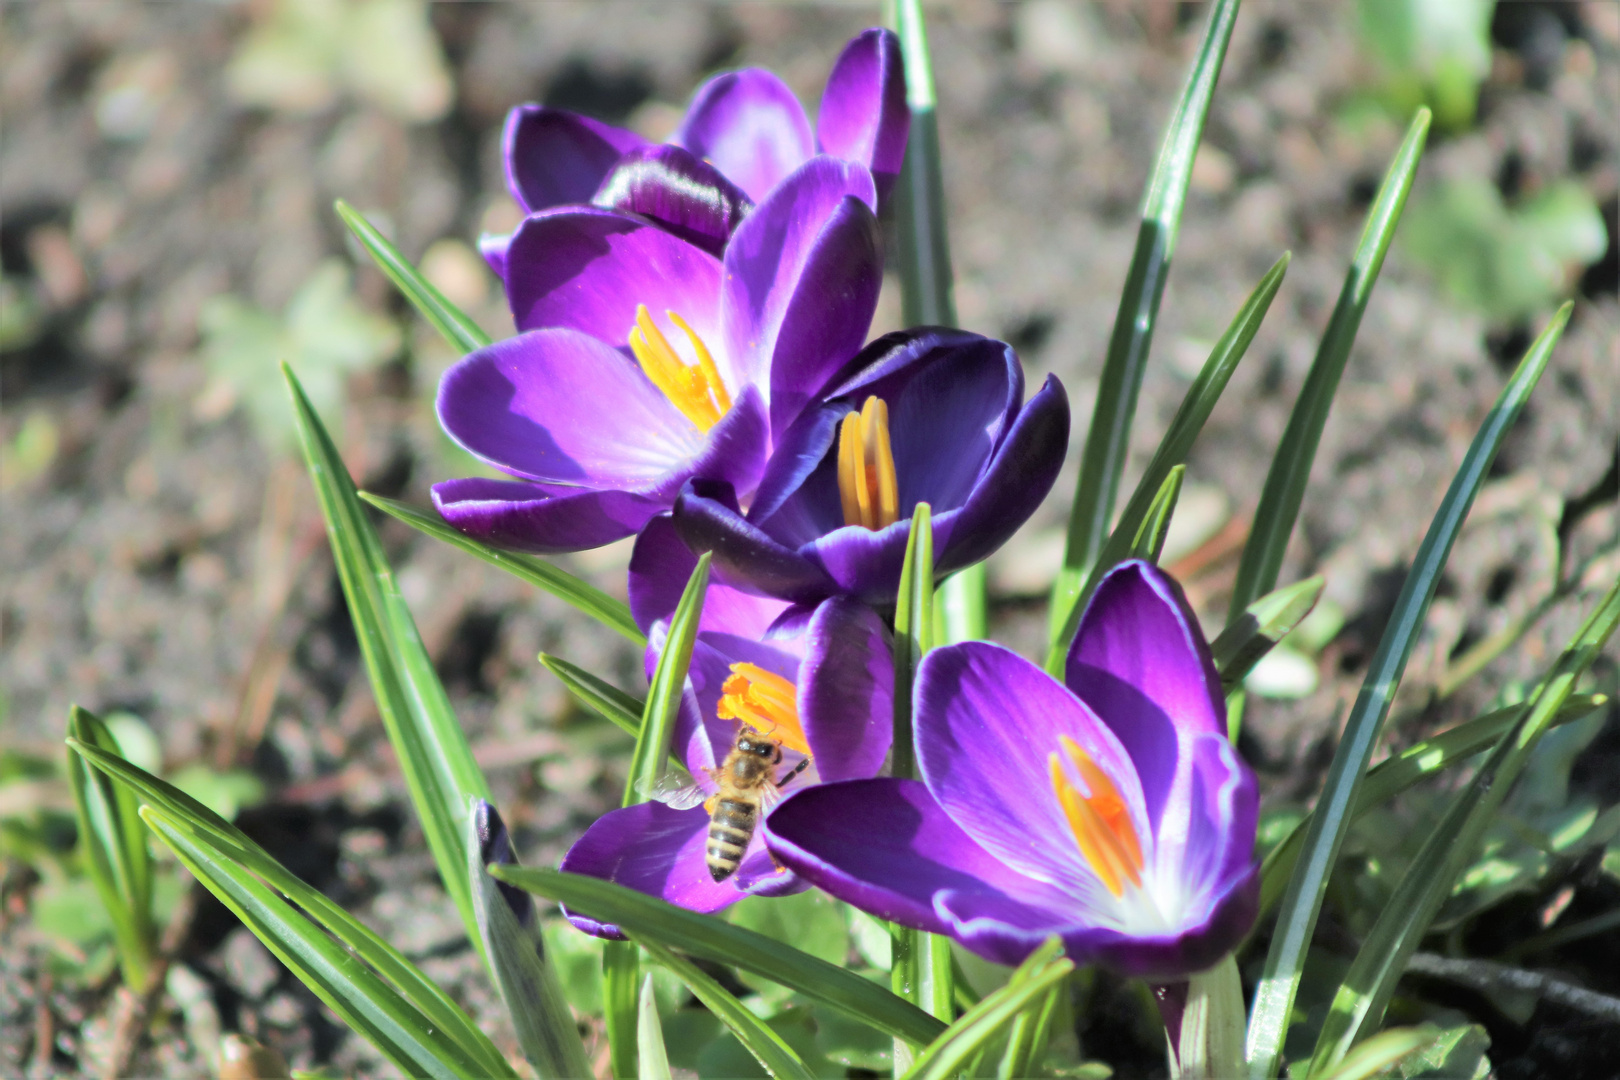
(765, 702)
(695, 389)
(868, 489)
(1101, 822)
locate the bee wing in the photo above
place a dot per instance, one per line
(675, 790)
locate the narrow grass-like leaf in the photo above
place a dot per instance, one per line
(757, 1038)
(1260, 626)
(925, 266)
(1107, 440)
(1359, 1005)
(432, 748)
(1273, 1004)
(979, 1025)
(1026, 1042)
(582, 595)
(1173, 449)
(1382, 1051)
(712, 939)
(449, 320)
(1290, 471)
(598, 695)
(526, 982)
(654, 1059)
(233, 844)
(621, 968)
(367, 1004)
(114, 843)
(1149, 539)
(1416, 763)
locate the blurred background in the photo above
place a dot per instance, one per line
(167, 173)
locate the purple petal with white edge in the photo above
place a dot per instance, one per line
(660, 566)
(554, 406)
(688, 197)
(745, 556)
(492, 246)
(864, 116)
(554, 156)
(1223, 813)
(544, 519)
(1018, 478)
(748, 125)
(1139, 659)
(659, 851)
(987, 723)
(589, 268)
(802, 276)
(846, 691)
(888, 848)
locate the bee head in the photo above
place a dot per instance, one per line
(757, 745)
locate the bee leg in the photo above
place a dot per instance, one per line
(793, 772)
(708, 804)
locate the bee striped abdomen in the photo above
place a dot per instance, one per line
(731, 827)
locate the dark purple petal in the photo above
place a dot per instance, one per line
(1023, 470)
(860, 562)
(886, 847)
(846, 691)
(492, 247)
(987, 723)
(545, 519)
(1139, 659)
(653, 849)
(660, 566)
(948, 420)
(864, 116)
(745, 556)
(794, 456)
(589, 268)
(802, 276)
(686, 196)
(748, 125)
(555, 405)
(554, 156)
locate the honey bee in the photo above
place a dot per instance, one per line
(748, 786)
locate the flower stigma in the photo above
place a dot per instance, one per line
(695, 389)
(867, 486)
(1101, 822)
(765, 702)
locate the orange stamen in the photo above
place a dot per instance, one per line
(868, 488)
(1100, 821)
(695, 389)
(765, 702)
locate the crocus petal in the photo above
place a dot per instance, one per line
(846, 691)
(492, 246)
(864, 117)
(802, 276)
(987, 721)
(589, 268)
(546, 519)
(1018, 478)
(554, 156)
(686, 196)
(554, 405)
(888, 848)
(745, 556)
(1139, 659)
(660, 566)
(948, 420)
(659, 851)
(750, 126)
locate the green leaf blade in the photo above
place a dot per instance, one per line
(1302, 902)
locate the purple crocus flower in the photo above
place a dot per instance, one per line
(1110, 810)
(819, 681)
(925, 415)
(746, 124)
(645, 361)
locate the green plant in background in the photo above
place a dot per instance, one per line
(805, 986)
(301, 54)
(325, 332)
(1508, 261)
(1429, 52)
